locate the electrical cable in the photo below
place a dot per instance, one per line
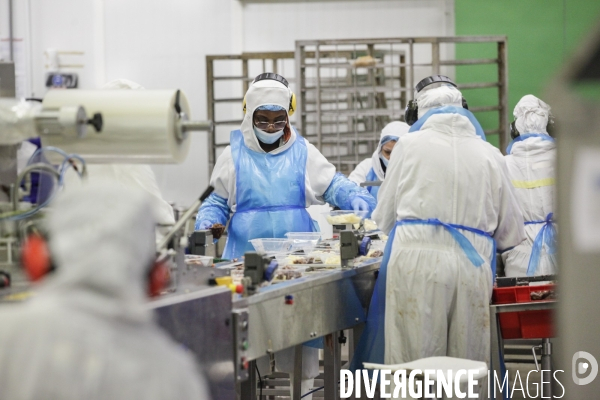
(259, 381)
(312, 391)
(67, 162)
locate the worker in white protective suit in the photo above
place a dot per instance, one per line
(264, 181)
(129, 175)
(88, 333)
(531, 162)
(373, 169)
(447, 204)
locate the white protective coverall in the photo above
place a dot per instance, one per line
(359, 175)
(128, 175)
(437, 301)
(531, 167)
(87, 333)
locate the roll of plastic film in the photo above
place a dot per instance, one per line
(139, 126)
(17, 121)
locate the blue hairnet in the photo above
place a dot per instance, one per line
(388, 138)
(271, 107)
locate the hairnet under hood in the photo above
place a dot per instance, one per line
(532, 115)
(261, 93)
(102, 242)
(394, 128)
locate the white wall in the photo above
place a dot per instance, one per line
(162, 44)
(277, 25)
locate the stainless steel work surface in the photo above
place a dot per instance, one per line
(294, 312)
(201, 321)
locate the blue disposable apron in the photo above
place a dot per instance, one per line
(371, 346)
(270, 195)
(546, 235)
(372, 177)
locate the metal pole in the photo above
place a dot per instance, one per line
(184, 218)
(296, 381)
(503, 95)
(248, 387)
(435, 58)
(546, 368)
(210, 97)
(318, 62)
(10, 31)
(300, 89)
(332, 365)
(411, 52)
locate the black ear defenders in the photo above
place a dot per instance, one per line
(280, 79)
(514, 132)
(411, 114)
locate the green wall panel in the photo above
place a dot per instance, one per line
(541, 35)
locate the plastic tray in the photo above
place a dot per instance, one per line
(305, 241)
(271, 245)
(523, 324)
(205, 261)
(333, 215)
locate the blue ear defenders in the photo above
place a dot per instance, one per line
(411, 114)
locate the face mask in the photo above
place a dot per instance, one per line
(268, 138)
(384, 160)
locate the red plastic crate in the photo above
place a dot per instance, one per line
(523, 324)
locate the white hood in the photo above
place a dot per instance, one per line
(531, 115)
(394, 128)
(433, 97)
(262, 93)
(102, 241)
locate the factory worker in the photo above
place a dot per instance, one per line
(530, 159)
(373, 169)
(87, 333)
(269, 174)
(266, 178)
(129, 175)
(447, 204)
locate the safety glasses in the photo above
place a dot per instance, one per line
(264, 125)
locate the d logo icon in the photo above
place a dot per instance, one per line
(580, 367)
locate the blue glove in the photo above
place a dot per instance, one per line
(213, 210)
(359, 204)
(203, 225)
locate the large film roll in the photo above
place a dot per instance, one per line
(139, 126)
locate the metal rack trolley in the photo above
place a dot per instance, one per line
(343, 107)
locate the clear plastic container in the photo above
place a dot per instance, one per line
(204, 261)
(342, 217)
(271, 245)
(305, 241)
